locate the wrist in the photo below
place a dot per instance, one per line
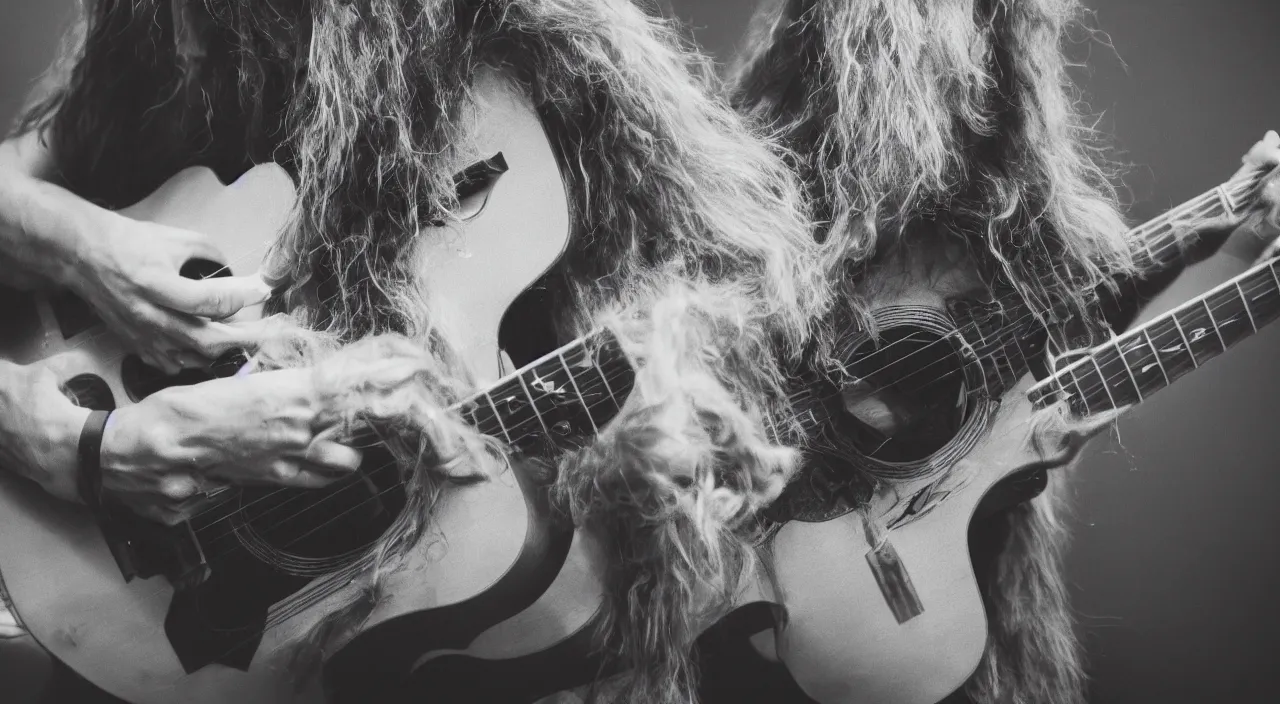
(120, 442)
(62, 454)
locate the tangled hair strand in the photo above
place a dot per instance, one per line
(679, 218)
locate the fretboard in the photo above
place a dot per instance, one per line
(1005, 337)
(1161, 238)
(1131, 367)
(567, 394)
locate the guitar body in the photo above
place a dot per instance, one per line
(843, 642)
(882, 600)
(916, 637)
(228, 637)
(63, 579)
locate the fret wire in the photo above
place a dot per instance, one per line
(1165, 220)
(1271, 267)
(1204, 303)
(1013, 351)
(1156, 351)
(1103, 378)
(518, 438)
(1225, 199)
(772, 427)
(577, 391)
(1188, 210)
(977, 330)
(1146, 245)
(995, 358)
(1084, 398)
(1245, 300)
(1115, 342)
(533, 404)
(1185, 342)
(607, 387)
(1017, 346)
(497, 415)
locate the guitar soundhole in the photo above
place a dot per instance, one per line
(90, 391)
(906, 399)
(307, 532)
(203, 269)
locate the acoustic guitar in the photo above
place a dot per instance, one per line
(876, 578)
(205, 612)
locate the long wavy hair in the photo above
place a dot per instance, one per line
(955, 119)
(672, 199)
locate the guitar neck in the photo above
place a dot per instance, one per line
(1164, 237)
(1131, 367)
(570, 392)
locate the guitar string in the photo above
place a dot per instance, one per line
(516, 432)
(569, 349)
(1247, 180)
(1265, 287)
(1185, 210)
(530, 420)
(523, 425)
(328, 584)
(971, 327)
(294, 605)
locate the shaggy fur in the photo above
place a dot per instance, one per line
(955, 118)
(361, 101)
(951, 117)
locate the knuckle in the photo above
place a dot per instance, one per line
(219, 302)
(288, 435)
(172, 517)
(176, 488)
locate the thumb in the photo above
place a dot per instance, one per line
(215, 298)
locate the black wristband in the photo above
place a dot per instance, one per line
(89, 479)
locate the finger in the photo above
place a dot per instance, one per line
(186, 245)
(189, 360)
(179, 487)
(333, 456)
(214, 338)
(288, 472)
(210, 298)
(1264, 153)
(312, 479)
(161, 360)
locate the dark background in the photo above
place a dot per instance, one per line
(1174, 569)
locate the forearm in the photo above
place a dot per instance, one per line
(43, 227)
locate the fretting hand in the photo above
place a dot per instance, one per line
(1258, 237)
